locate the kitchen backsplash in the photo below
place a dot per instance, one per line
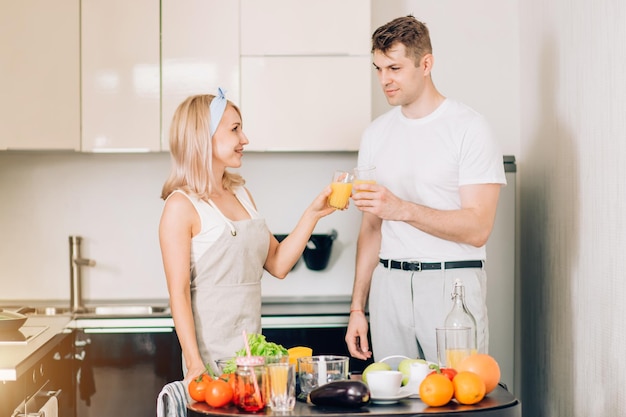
(112, 201)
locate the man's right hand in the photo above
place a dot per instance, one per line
(356, 336)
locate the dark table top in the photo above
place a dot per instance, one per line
(499, 403)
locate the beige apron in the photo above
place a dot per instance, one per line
(226, 289)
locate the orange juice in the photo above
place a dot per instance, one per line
(455, 356)
(278, 379)
(282, 386)
(340, 195)
(357, 181)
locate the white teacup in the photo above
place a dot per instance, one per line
(384, 384)
(418, 372)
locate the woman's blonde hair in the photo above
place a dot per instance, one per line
(191, 151)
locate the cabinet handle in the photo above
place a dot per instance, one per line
(51, 393)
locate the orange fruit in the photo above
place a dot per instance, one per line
(485, 366)
(469, 388)
(436, 390)
(298, 352)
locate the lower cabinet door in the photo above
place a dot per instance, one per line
(121, 374)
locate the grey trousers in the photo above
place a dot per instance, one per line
(406, 307)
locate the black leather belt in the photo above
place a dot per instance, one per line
(429, 266)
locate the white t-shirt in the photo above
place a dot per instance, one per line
(426, 161)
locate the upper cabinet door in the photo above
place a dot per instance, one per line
(200, 52)
(121, 75)
(305, 103)
(39, 75)
(305, 74)
(305, 27)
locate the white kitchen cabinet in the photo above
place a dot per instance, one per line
(305, 27)
(200, 52)
(305, 74)
(313, 103)
(120, 57)
(39, 75)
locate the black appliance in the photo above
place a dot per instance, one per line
(122, 370)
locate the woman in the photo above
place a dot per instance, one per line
(214, 243)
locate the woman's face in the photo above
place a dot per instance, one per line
(229, 140)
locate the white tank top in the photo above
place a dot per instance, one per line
(213, 222)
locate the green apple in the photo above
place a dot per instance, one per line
(376, 366)
(405, 367)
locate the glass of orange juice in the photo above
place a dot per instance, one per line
(342, 188)
(453, 345)
(365, 175)
(282, 386)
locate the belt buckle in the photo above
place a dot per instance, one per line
(411, 266)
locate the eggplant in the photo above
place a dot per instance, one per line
(349, 394)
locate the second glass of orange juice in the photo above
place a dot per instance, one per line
(342, 188)
(365, 175)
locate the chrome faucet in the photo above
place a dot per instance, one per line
(76, 262)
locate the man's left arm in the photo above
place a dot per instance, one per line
(471, 224)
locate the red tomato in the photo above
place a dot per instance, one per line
(218, 393)
(197, 387)
(230, 378)
(449, 372)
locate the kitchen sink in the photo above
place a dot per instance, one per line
(123, 310)
(49, 311)
(106, 310)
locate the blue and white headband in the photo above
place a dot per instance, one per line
(216, 109)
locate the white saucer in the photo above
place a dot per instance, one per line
(402, 393)
(413, 390)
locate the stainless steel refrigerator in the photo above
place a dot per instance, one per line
(501, 279)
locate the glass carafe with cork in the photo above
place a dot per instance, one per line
(460, 316)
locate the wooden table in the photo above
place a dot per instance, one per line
(499, 403)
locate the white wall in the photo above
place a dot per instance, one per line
(110, 200)
(572, 207)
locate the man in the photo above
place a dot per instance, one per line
(426, 221)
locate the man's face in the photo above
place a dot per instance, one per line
(401, 80)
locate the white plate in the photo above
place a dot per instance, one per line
(402, 393)
(413, 390)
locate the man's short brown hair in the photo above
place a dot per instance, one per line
(408, 31)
